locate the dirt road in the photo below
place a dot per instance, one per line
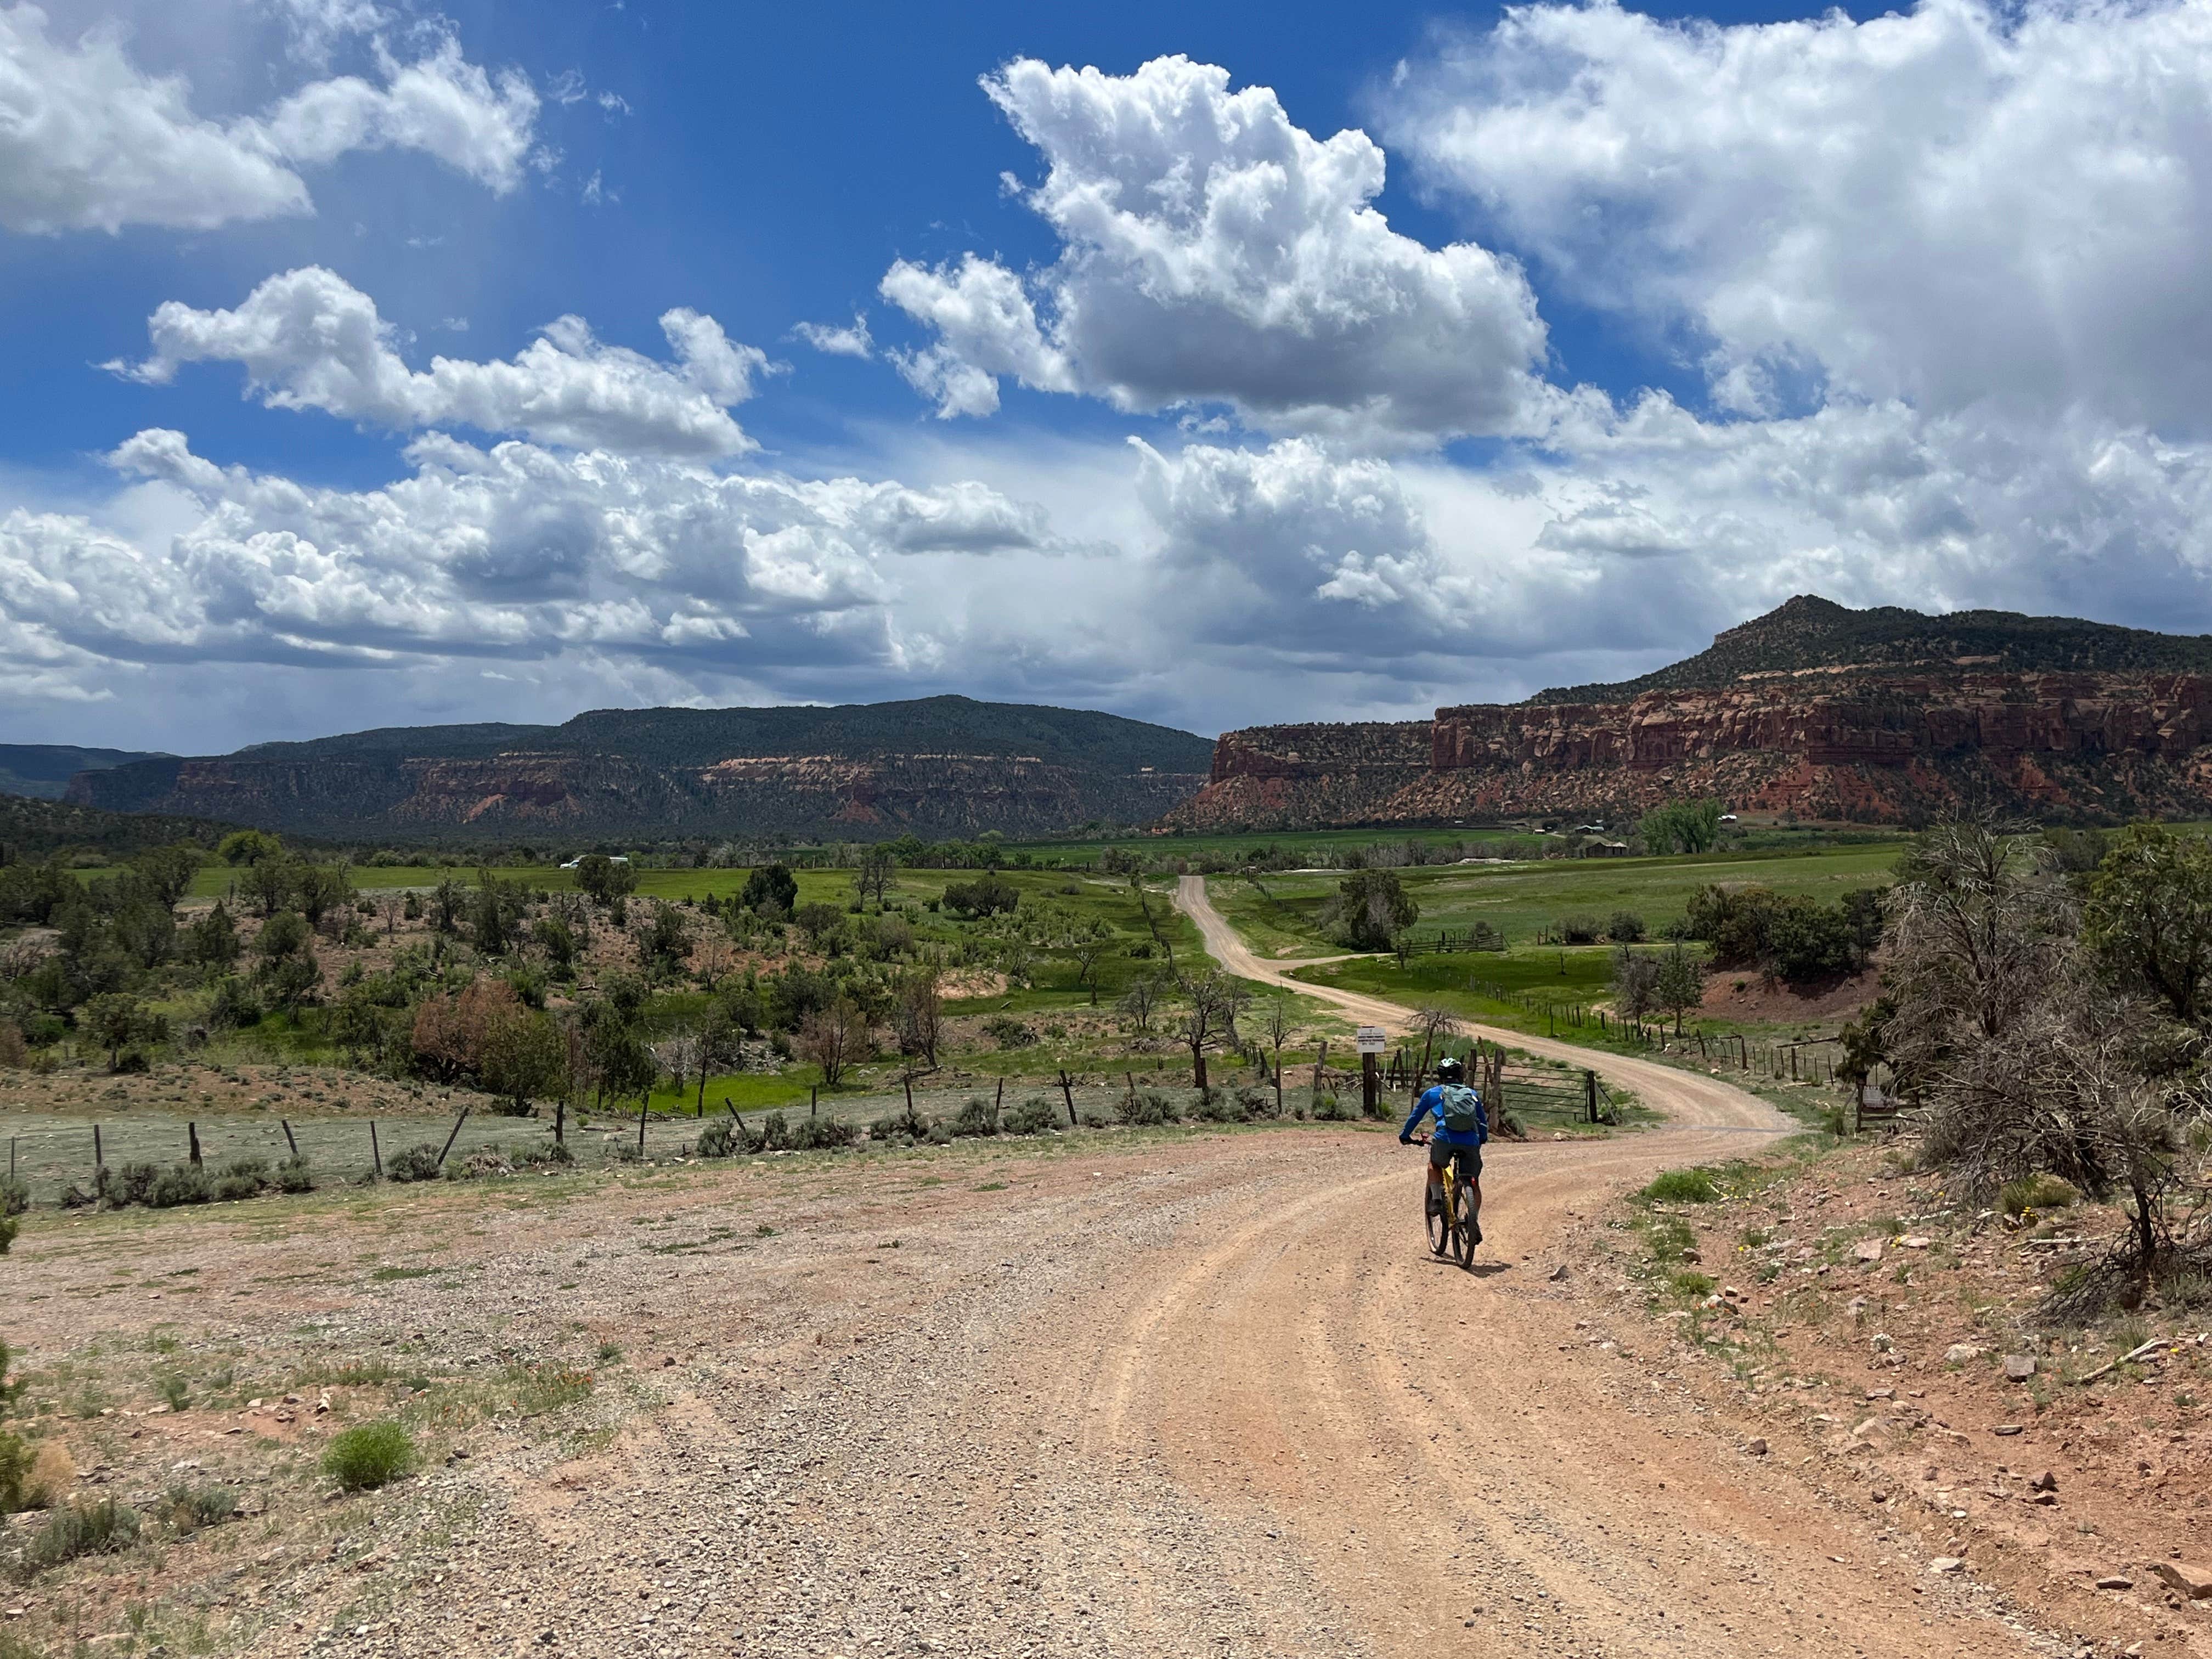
(1688, 1100)
(1199, 1395)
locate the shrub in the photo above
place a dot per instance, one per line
(416, 1164)
(775, 1133)
(100, 1528)
(978, 1118)
(543, 1154)
(1691, 1283)
(1627, 928)
(241, 1178)
(1008, 1032)
(14, 1474)
(1256, 1101)
(14, 1195)
(129, 1183)
(1032, 1117)
(1691, 1185)
(2036, 1192)
(819, 1134)
(940, 1135)
(718, 1139)
(292, 1175)
(190, 1508)
(477, 1164)
(10, 1226)
(181, 1183)
(372, 1455)
(1218, 1106)
(1580, 930)
(1148, 1108)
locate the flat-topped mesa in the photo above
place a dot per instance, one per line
(1846, 741)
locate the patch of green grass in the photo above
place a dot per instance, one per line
(1691, 1285)
(372, 1455)
(386, 1275)
(1691, 1185)
(2036, 1192)
(1669, 1238)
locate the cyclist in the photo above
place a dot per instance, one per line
(1462, 1126)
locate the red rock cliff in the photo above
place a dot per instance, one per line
(1870, 745)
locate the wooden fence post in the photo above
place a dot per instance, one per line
(1369, 1080)
(907, 1078)
(1320, 1070)
(463, 1118)
(99, 1159)
(375, 1154)
(561, 1122)
(288, 1140)
(1067, 1094)
(1590, 1094)
(641, 1105)
(192, 1142)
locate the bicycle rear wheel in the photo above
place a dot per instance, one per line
(1462, 1227)
(1439, 1220)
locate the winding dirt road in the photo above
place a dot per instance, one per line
(1207, 1395)
(1688, 1100)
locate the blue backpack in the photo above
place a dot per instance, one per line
(1460, 1109)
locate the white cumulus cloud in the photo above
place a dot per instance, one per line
(309, 339)
(89, 141)
(1214, 252)
(1960, 204)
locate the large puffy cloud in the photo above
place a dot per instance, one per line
(516, 553)
(1212, 253)
(309, 339)
(89, 141)
(1957, 205)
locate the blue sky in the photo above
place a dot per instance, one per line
(1665, 316)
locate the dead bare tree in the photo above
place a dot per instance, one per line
(1209, 1017)
(1432, 1021)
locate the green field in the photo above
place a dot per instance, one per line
(1278, 912)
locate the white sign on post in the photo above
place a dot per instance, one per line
(1372, 1040)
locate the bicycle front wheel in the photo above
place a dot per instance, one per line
(1462, 1227)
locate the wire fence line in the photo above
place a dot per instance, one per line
(58, 1156)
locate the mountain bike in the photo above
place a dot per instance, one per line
(1451, 1224)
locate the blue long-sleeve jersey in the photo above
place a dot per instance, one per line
(1433, 1101)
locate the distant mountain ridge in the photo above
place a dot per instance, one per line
(1883, 715)
(938, 767)
(42, 770)
(1807, 633)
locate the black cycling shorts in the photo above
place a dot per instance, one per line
(1470, 1159)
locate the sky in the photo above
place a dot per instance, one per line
(373, 363)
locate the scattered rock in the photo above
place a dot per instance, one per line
(1869, 1250)
(2019, 1367)
(1947, 1563)
(2116, 1581)
(2195, 1582)
(1559, 1275)
(2009, 1428)
(1960, 1353)
(2045, 1482)
(1914, 1240)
